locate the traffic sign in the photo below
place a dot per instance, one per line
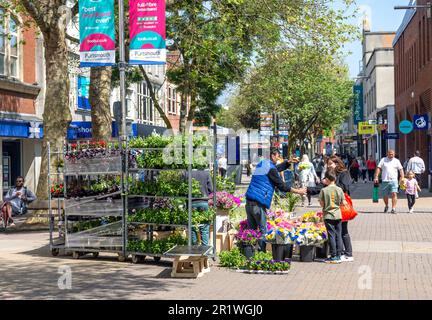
(421, 122)
(391, 136)
(406, 126)
(366, 128)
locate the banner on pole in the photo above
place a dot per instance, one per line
(147, 32)
(97, 33)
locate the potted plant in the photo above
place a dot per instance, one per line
(308, 236)
(225, 202)
(247, 239)
(279, 233)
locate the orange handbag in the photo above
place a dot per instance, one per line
(348, 212)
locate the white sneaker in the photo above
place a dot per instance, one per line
(345, 258)
(411, 211)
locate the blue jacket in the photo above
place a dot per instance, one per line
(261, 188)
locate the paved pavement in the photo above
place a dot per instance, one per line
(393, 258)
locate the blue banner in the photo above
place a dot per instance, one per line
(358, 104)
(83, 93)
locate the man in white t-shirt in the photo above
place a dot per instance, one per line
(389, 168)
(223, 166)
(417, 165)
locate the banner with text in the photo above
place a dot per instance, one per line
(358, 104)
(147, 32)
(97, 33)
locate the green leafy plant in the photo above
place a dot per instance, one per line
(232, 258)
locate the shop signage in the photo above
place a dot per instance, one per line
(83, 93)
(390, 136)
(97, 33)
(366, 128)
(35, 130)
(358, 104)
(147, 32)
(421, 122)
(406, 126)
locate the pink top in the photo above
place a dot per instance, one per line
(411, 186)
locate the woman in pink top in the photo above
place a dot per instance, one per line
(411, 191)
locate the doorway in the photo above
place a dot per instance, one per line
(11, 163)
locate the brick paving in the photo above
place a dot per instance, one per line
(393, 259)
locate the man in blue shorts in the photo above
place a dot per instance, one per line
(389, 168)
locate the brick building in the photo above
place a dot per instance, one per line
(413, 82)
(20, 104)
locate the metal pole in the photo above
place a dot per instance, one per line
(51, 219)
(190, 189)
(215, 168)
(123, 135)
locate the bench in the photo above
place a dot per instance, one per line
(189, 261)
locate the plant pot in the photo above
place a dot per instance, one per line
(322, 252)
(307, 253)
(282, 251)
(247, 250)
(221, 216)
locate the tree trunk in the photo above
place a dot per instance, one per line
(183, 112)
(99, 97)
(57, 114)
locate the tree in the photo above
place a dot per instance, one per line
(49, 16)
(305, 86)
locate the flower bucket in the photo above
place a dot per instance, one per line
(322, 252)
(247, 250)
(307, 253)
(282, 251)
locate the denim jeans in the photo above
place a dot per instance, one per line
(346, 240)
(334, 230)
(203, 229)
(256, 217)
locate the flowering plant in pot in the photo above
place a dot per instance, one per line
(225, 201)
(57, 190)
(314, 217)
(247, 239)
(309, 234)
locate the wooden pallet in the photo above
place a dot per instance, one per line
(189, 267)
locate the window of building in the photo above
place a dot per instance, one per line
(9, 45)
(145, 107)
(172, 100)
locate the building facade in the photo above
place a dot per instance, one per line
(377, 79)
(413, 83)
(20, 103)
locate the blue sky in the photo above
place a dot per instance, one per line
(383, 18)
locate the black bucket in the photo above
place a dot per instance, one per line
(322, 252)
(307, 253)
(248, 250)
(282, 251)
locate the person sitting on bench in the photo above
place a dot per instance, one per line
(15, 202)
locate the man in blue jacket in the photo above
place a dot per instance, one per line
(260, 192)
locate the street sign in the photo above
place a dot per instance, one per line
(421, 122)
(406, 126)
(390, 136)
(366, 128)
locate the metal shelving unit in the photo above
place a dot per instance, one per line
(140, 256)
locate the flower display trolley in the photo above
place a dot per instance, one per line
(153, 217)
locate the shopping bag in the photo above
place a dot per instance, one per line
(348, 212)
(375, 194)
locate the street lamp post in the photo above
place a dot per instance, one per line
(427, 6)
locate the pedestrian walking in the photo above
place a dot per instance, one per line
(363, 168)
(331, 198)
(416, 165)
(308, 177)
(411, 190)
(318, 163)
(354, 170)
(389, 168)
(371, 167)
(223, 166)
(260, 192)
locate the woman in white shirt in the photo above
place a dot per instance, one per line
(307, 175)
